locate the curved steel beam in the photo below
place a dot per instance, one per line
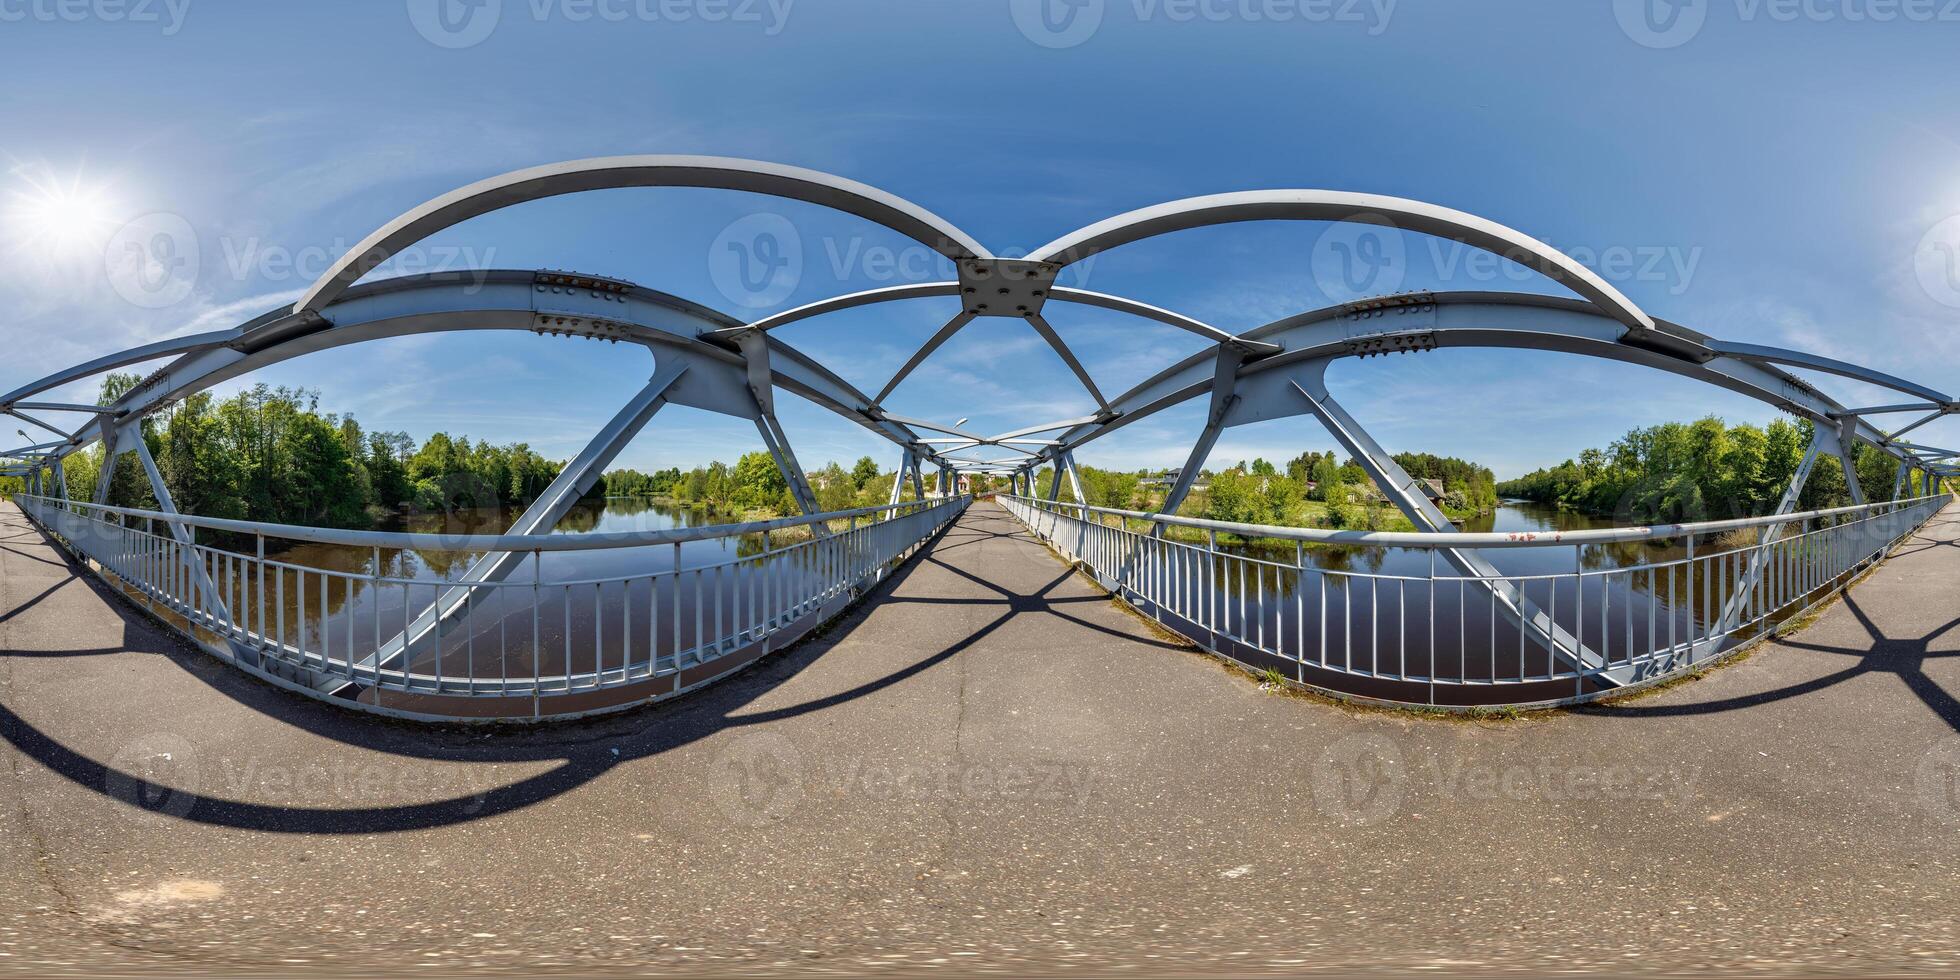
(1323, 205)
(110, 362)
(1521, 321)
(498, 300)
(606, 173)
(883, 294)
(1828, 365)
(1168, 317)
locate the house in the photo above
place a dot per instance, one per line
(1433, 489)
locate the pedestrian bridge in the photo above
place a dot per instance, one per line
(987, 762)
(1433, 618)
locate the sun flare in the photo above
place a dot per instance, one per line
(58, 217)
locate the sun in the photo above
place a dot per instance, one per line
(56, 218)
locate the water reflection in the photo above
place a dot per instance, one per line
(1406, 613)
(333, 598)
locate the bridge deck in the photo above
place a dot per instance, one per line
(992, 766)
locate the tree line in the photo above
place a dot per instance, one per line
(1313, 490)
(754, 485)
(1679, 472)
(268, 454)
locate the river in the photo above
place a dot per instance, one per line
(1376, 601)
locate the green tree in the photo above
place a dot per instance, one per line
(865, 471)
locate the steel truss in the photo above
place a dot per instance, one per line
(708, 360)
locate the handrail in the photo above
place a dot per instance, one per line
(425, 541)
(1484, 539)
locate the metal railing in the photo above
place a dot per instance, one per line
(529, 646)
(1387, 616)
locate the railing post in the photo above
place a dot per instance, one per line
(260, 552)
(1432, 626)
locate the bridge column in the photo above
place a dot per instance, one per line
(1905, 475)
(1847, 429)
(898, 478)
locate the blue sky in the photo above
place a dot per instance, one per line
(1762, 171)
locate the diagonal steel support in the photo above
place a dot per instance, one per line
(1064, 464)
(31, 420)
(908, 464)
(210, 602)
(1224, 385)
(1407, 495)
(1847, 429)
(1054, 340)
(762, 387)
(544, 513)
(945, 333)
(1822, 441)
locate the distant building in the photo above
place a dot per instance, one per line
(1169, 479)
(1433, 489)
